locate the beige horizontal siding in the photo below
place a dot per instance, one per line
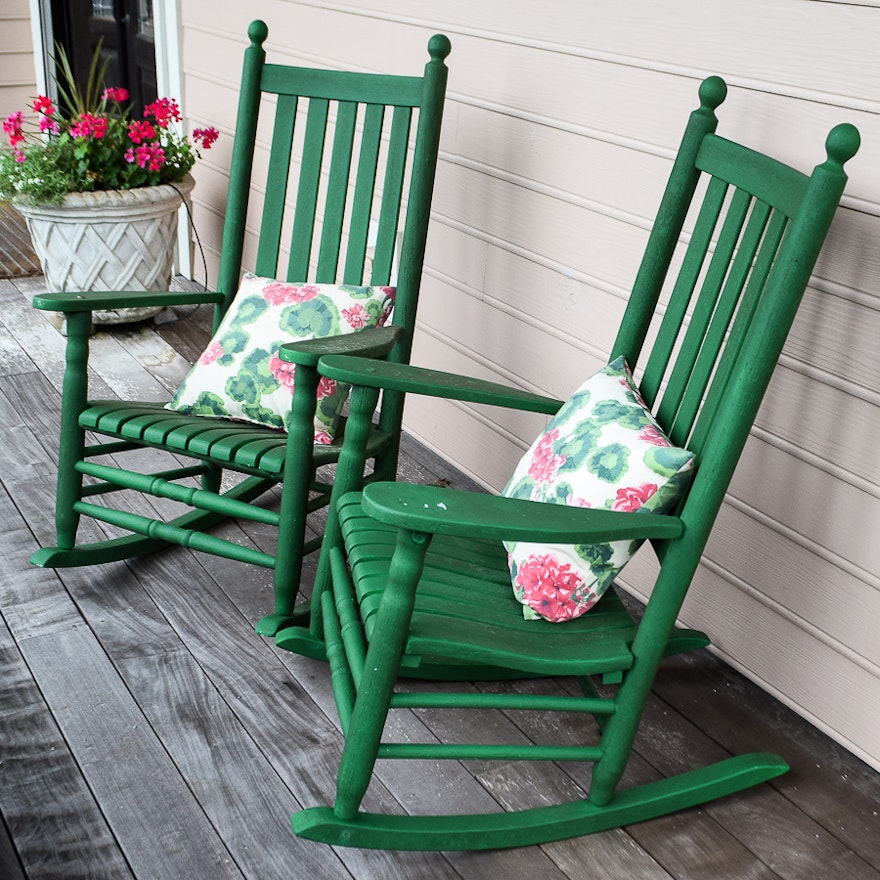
(560, 129)
(17, 76)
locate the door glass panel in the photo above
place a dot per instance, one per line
(102, 8)
(145, 18)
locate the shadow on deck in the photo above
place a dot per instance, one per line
(148, 733)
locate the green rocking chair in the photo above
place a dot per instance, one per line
(361, 174)
(414, 580)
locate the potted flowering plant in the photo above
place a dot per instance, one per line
(100, 190)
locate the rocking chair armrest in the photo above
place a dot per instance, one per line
(438, 510)
(436, 383)
(373, 342)
(82, 301)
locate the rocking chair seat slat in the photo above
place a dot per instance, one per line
(465, 612)
(251, 447)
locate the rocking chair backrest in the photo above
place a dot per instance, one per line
(346, 173)
(755, 240)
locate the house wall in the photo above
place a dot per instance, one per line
(561, 123)
(17, 77)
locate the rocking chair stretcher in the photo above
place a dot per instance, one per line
(413, 582)
(359, 139)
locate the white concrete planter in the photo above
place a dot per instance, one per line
(109, 240)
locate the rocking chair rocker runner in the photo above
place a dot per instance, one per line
(413, 578)
(348, 169)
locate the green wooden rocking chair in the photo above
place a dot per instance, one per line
(367, 138)
(414, 581)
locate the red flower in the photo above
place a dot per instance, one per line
(13, 126)
(164, 111)
(44, 105)
(544, 463)
(149, 156)
(115, 94)
(205, 136)
(89, 126)
(141, 131)
(47, 123)
(548, 586)
(633, 497)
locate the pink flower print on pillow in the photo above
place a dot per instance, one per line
(323, 438)
(282, 371)
(357, 316)
(631, 498)
(212, 353)
(548, 587)
(326, 387)
(277, 293)
(652, 435)
(545, 464)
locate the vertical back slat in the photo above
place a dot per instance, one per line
(704, 308)
(682, 291)
(276, 186)
(739, 332)
(307, 193)
(337, 192)
(721, 320)
(392, 192)
(362, 201)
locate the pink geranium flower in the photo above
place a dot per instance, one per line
(282, 371)
(164, 111)
(212, 353)
(13, 127)
(140, 131)
(545, 464)
(548, 586)
(205, 136)
(652, 435)
(115, 93)
(149, 156)
(277, 293)
(89, 126)
(357, 316)
(326, 387)
(633, 497)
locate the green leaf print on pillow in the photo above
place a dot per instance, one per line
(314, 318)
(609, 463)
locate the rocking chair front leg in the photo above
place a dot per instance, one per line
(298, 474)
(382, 664)
(72, 443)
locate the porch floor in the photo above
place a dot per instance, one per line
(148, 733)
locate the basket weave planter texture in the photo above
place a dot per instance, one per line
(109, 240)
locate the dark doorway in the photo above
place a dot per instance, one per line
(124, 28)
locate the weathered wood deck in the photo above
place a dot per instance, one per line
(146, 732)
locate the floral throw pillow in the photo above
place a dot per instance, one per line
(240, 376)
(602, 449)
